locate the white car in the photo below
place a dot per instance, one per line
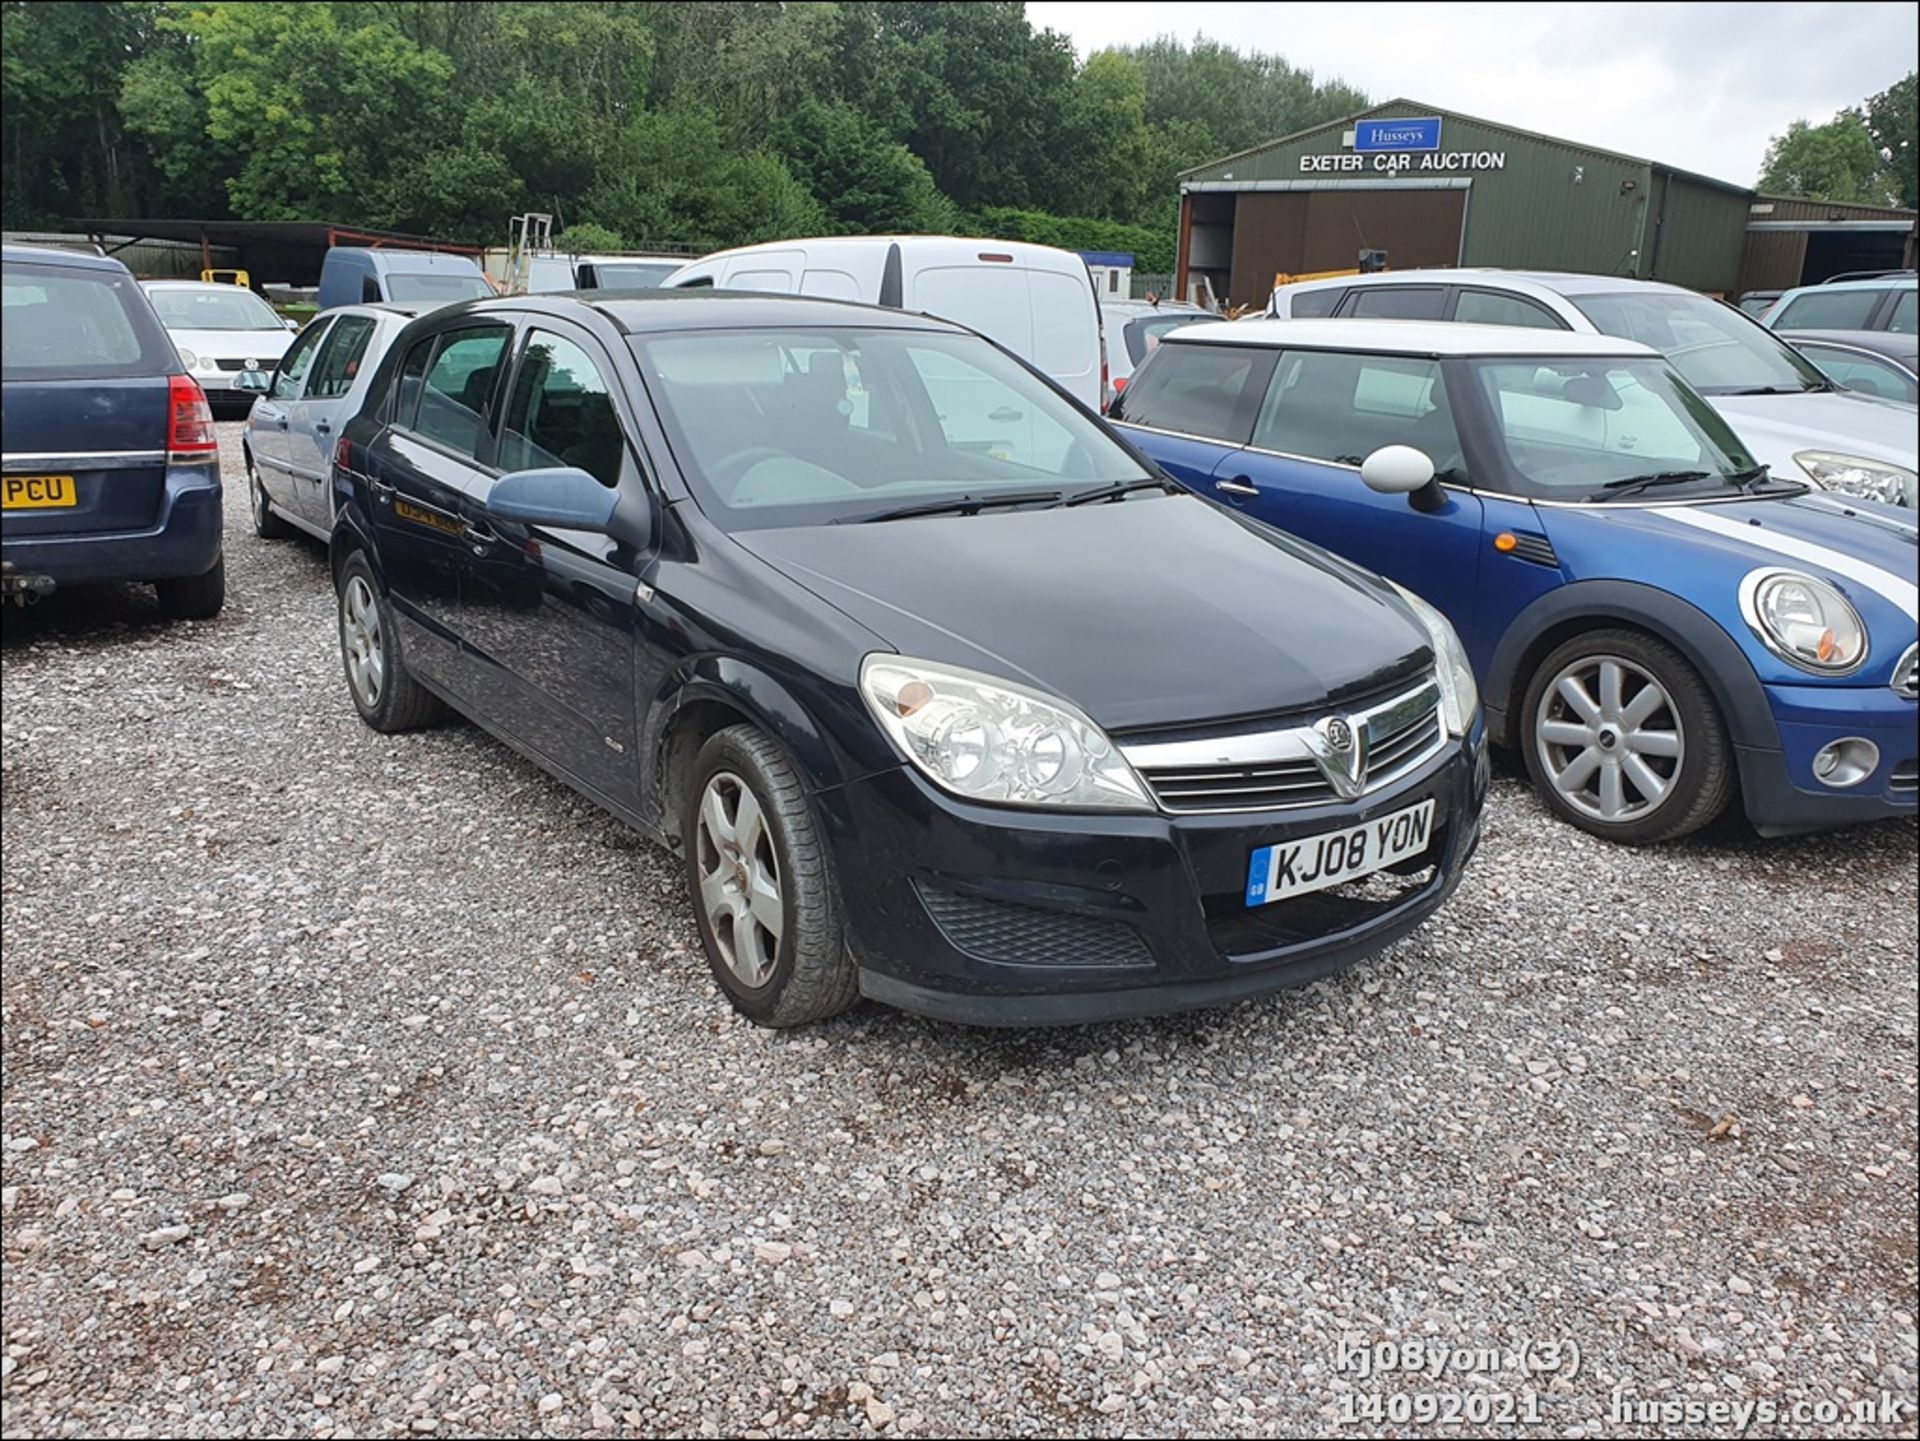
(1791, 417)
(303, 405)
(1134, 327)
(219, 330)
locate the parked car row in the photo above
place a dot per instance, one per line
(953, 693)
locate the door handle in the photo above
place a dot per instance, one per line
(281, 421)
(381, 490)
(481, 534)
(322, 427)
(1240, 485)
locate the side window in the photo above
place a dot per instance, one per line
(560, 413)
(1199, 389)
(1484, 307)
(413, 370)
(1854, 371)
(293, 367)
(370, 290)
(1315, 304)
(339, 363)
(1337, 407)
(1396, 302)
(981, 413)
(1829, 310)
(457, 387)
(1902, 318)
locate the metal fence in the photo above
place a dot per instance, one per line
(1160, 285)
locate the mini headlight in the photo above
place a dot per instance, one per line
(987, 739)
(1804, 621)
(188, 359)
(1459, 696)
(1856, 475)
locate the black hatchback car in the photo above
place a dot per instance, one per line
(945, 695)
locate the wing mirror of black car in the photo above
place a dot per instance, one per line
(1403, 470)
(254, 382)
(563, 497)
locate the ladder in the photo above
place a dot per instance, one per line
(527, 235)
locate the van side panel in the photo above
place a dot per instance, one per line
(831, 285)
(775, 272)
(340, 275)
(1066, 333)
(992, 299)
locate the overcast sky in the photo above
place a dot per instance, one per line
(1701, 87)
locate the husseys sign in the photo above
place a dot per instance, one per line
(1388, 146)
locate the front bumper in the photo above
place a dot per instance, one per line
(994, 916)
(1781, 793)
(183, 541)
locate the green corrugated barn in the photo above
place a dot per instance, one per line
(1430, 187)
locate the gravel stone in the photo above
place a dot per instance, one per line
(252, 948)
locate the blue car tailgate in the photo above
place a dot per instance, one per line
(108, 436)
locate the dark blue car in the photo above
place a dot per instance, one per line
(1657, 623)
(111, 469)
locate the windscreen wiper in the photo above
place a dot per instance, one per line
(1634, 484)
(964, 505)
(1116, 490)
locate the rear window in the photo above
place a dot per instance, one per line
(439, 289)
(1829, 310)
(59, 322)
(1315, 304)
(1143, 336)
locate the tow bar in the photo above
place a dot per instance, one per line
(20, 588)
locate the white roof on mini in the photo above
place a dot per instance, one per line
(1410, 337)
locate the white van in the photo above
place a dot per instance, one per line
(1036, 301)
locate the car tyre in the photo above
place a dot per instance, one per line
(384, 691)
(194, 597)
(761, 880)
(1622, 737)
(268, 523)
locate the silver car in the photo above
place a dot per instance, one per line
(303, 403)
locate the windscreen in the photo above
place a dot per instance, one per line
(797, 427)
(631, 275)
(217, 307)
(1719, 350)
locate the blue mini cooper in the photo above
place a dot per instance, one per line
(1653, 619)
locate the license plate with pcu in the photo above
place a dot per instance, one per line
(1313, 863)
(37, 492)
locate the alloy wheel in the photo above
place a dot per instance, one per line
(1610, 739)
(739, 871)
(361, 637)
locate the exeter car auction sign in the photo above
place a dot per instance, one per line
(1395, 145)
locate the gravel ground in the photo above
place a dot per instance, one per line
(358, 1085)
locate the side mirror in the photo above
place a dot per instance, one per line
(254, 382)
(563, 497)
(1402, 470)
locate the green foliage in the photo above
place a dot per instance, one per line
(587, 238)
(1835, 161)
(1152, 250)
(868, 183)
(692, 123)
(1890, 120)
(672, 177)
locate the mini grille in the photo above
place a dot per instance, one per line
(1536, 548)
(1017, 935)
(1398, 739)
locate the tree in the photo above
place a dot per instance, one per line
(1836, 161)
(1108, 120)
(66, 150)
(867, 183)
(671, 176)
(1890, 120)
(586, 238)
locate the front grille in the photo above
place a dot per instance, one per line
(1277, 769)
(1015, 935)
(1240, 932)
(240, 364)
(1905, 780)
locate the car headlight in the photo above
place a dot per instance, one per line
(987, 739)
(1804, 621)
(1459, 696)
(1856, 475)
(188, 360)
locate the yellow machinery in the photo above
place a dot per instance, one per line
(228, 277)
(1282, 278)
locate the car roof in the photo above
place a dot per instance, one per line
(1558, 282)
(1879, 282)
(56, 255)
(193, 285)
(1411, 337)
(1900, 344)
(640, 311)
